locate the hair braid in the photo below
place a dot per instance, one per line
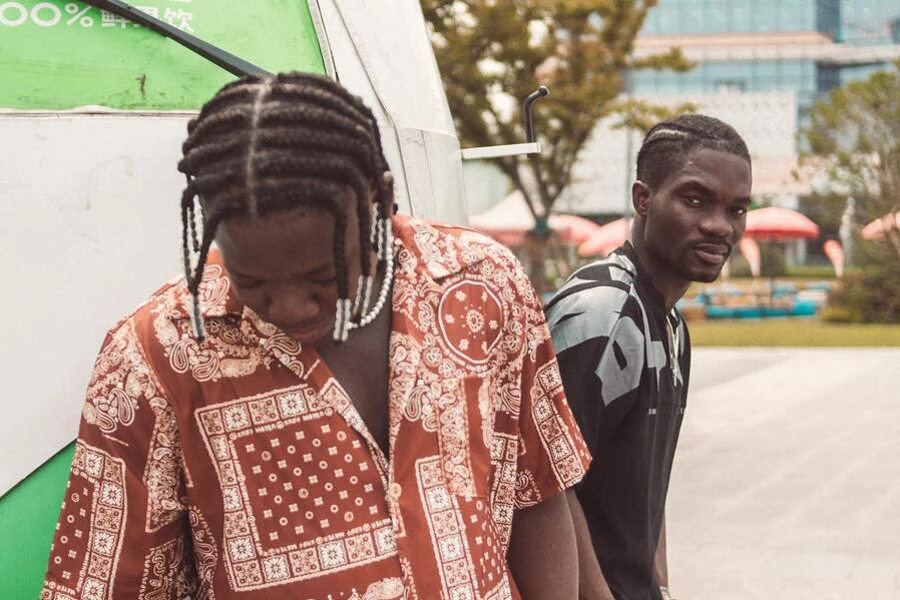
(668, 144)
(266, 144)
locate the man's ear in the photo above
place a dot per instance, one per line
(640, 198)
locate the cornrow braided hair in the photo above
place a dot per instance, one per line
(265, 144)
(669, 143)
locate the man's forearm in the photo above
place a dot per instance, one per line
(591, 583)
(543, 556)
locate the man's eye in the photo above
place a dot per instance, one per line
(693, 201)
(740, 211)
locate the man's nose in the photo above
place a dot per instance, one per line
(293, 304)
(717, 225)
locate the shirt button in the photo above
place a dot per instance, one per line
(394, 490)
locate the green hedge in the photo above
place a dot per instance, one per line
(869, 296)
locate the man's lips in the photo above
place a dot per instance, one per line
(713, 253)
(306, 330)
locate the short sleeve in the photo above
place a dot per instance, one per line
(553, 455)
(601, 357)
(122, 530)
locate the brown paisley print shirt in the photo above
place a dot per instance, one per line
(239, 468)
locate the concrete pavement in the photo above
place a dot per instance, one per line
(786, 485)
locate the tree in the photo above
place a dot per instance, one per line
(493, 53)
(854, 138)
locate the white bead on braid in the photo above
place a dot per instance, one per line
(342, 320)
(363, 295)
(385, 248)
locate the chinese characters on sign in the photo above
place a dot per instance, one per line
(76, 14)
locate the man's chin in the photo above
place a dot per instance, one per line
(705, 276)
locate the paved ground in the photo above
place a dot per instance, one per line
(787, 481)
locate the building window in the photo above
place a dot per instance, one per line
(729, 85)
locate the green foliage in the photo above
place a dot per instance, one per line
(839, 314)
(811, 272)
(740, 268)
(869, 296)
(854, 138)
(493, 53)
(771, 260)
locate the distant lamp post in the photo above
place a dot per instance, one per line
(846, 230)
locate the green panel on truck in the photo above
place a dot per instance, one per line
(63, 54)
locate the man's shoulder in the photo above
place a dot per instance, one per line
(448, 249)
(596, 301)
(170, 292)
(603, 286)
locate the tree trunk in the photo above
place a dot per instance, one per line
(536, 262)
(894, 236)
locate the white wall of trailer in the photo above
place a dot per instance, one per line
(89, 227)
(381, 51)
(89, 220)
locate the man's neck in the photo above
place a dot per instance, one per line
(669, 285)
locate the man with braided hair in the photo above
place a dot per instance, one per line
(624, 351)
(336, 402)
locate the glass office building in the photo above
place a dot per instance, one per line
(795, 33)
(685, 17)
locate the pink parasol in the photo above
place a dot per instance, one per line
(835, 253)
(510, 221)
(877, 228)
(577, 229)
(606, 238)
(779, 224)
(750, 250)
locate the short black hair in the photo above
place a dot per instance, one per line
(271, 143)
(669, 143)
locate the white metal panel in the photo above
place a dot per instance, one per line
(89, 227)
(450, 203)
(382, 53)
(415, 160)
(391, 41)
(504, 150)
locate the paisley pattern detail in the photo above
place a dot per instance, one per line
(85, 555)
(469, 342)
(122, 381)
(206, 555)
(241, 465)
(462, 308)
(164, 477)
(168, 573)
(386, 589)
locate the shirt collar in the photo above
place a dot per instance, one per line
(442, 250)
(655, 299)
